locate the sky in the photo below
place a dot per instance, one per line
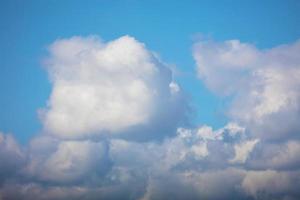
(149, 99)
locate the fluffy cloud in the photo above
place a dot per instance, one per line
(192, 164)
(109, 88)
(224, 66)
(263, 87)
(264, 84)
(65, 161)
(112, 127)
(242, 150)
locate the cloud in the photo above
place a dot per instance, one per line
(11, 156)
(270, 184)
(263, 88)
(192, 164)
(224, 66)
(66, 161)
(109, 88)
(242, 150)
(114, 127)
(279, 156)
(264, 84)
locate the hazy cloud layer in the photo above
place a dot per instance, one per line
(113, 127)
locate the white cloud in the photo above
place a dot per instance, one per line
(65, 161)
(193, 164)
(224, 66)
(72, 160)
(264, 84)
(242, 150)
(101, 88)
(264, 89)
(204, 145)
(104, 92)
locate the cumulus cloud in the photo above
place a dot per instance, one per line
(193, 164)
(100, 91)
(66, 161)
(112, 127)
(190, 165)
(224, 66)
(264, 84)
(263, 87)
(109, 88)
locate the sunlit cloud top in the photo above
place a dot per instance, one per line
(135, 101)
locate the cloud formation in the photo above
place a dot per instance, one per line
(109, 88)
(113, 127)
(65, 161)
(264, 89)
(264, 84)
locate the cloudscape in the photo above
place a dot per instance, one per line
(150, 100)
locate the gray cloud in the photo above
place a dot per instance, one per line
(11, 156)
(270, 184)
(66, 161)
(194, 164)
(282, 156)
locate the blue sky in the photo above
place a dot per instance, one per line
(149, 100)
(167, 27)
